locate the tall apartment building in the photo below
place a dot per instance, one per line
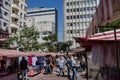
(4, 14)
(44, 19)
(77, 16)
(18, 13)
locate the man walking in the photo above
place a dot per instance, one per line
(23, 68)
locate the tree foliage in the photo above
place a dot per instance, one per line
(28, 39)
(50, 43)
(107, 26)
(64, 46)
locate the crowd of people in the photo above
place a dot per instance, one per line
(61, 64)
(71, 65)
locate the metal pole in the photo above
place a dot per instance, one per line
(86, 64)
(117, 54)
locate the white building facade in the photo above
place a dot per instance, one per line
(18, 14)
(4, 14)
(44, 19)
(77, 17)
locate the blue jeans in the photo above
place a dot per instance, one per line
(61, 71)
(48, 69)
(69, 76)
(74, 76)
(24, 74)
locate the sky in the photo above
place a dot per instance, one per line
(50, 4)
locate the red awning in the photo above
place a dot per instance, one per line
(11, 53)
(35, 53)
(105, 36)
(2, 39)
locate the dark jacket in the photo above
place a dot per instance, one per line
(23, 64)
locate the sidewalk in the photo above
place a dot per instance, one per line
(53, 76)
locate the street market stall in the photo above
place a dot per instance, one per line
(105, 52)
(35, 61)
(9, 64)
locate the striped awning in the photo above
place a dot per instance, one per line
(35, 53)
(12, 53)
(2, 39)
(106, 36)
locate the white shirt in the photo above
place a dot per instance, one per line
(61, 63)
(34, 59)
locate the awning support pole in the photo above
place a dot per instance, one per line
(86, 64)
(117, 54)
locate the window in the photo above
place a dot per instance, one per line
(67, 10)
(78, 24)
(67, 3)
(5, 13)
(91, 15)
(67, 31)
(74, 3)
(71, 31)
(81, 9)
(88, 16)
(4, 24)
(70, 17)
(74, 17)
(74, 10)
(84, 16)
(77, 9)
(94, 8)
(77, 16)
(74, 31)
(77, 2)
(87, 8)
(70, 3)
(67, 17)
(81, 16)
(71, 24)
(44, 33)
(20, 15)
(91, 8)
(21, 6)
(74, 24)
(68, 24)
(6, 3)
(78, 31)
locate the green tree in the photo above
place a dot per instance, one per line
(51, 41)
(64, 46)
(28, 39)
(106, 26)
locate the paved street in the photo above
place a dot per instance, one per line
(53, 76)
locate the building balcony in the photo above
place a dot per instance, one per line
(15, 6)
(14, 25)
(17, 1)
(1, 3)
(14, 15)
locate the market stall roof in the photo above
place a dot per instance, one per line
(4, 32)
(11, 53)
(106, 36)
(77, 49)
(35, 53)
(2, 39)
(51, 53)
